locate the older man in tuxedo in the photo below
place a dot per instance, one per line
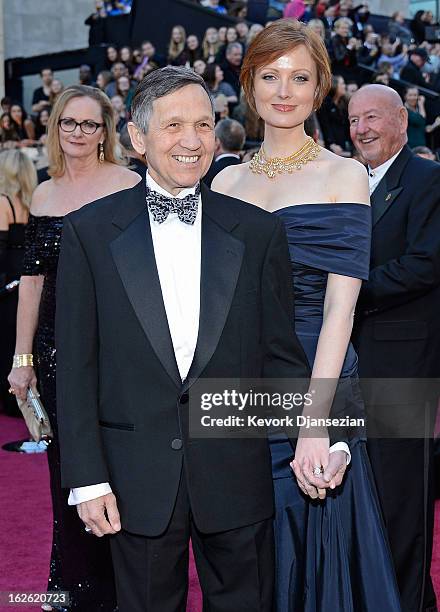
(397, 329)
(161, 285)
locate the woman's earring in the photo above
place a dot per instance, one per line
(101, 157)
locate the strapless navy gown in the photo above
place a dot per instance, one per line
(332, 555)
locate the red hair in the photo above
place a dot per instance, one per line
(279, 38)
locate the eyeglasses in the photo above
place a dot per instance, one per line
(87, 127)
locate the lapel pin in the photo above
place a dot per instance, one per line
(388, 197)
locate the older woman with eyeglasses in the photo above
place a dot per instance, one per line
(83, 167)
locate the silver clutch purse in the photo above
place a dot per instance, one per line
(35, 417)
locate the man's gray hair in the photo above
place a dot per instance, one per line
(233, 45)
(231, 135)
(158, 84)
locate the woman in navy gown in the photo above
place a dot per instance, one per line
(331, 545)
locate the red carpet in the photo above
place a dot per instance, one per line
(25, 523)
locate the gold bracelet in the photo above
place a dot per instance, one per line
(20, 361)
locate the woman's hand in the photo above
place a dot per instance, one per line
(22, 378)
(310, 454)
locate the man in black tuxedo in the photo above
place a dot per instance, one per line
(397, 329)
(229, 141)
(160, 285)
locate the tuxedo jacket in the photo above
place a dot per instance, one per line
(218, 166)
(122, 407)
(397, 323)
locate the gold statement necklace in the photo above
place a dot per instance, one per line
(261, 164)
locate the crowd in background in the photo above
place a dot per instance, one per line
(404, 56)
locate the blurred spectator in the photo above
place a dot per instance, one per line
(417, 128)
(214, 78)
(56, 89)
(231, 34)
(369, 53)
(8, 132)
(275, 9)
(86, 76)
(229, 142)
(40, 97)
(398, 29)
(199, 67)
(112, 56)
(317, 25)
(381, 78)
(344, 49)
(425, 153)
(136, 161)
(210, 45)
(418, 27)
(333, 119)
(222, 34)
(412, 71)
(351, 88)
(41, 125)
(18, 180)
(149, 57)
(118, 69)
(231, 66)
(295, 9)
(124, 89)
(6, 104)
(120, 111)
(103, 79)
(126, 56)
(24, 126)
(176, 46)
(214, 5)
(253, 31)
(390, 54)
(433, 65)
(242, 30)
(193, 51)
(330, 17)
(238, 10)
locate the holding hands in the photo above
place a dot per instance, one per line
(315, 468)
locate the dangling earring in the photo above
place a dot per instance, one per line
(101, 153)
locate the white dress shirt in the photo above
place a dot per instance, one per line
(376, 175)
(177, 250)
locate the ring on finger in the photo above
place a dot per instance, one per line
(317, 470)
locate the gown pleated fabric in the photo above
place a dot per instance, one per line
(331, 555)
(80, 563)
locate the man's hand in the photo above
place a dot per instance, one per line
(101, 515)
(335, 470)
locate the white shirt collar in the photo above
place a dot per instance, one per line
(382, 169)
(153, 186)
(222, 155)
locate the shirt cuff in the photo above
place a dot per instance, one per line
(83, 494)
(341, 446)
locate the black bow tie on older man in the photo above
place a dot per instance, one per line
(161, 206)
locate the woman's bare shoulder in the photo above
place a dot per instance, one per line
(123, 178)
(40, 197)
(229, 178)
(347, 179)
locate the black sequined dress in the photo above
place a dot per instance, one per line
(80, 563)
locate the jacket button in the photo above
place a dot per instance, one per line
(184, 398)
(176, 444)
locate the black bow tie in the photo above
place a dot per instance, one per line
(161, 206)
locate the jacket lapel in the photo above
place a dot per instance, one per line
(133, 254)
(388, 189)
(222, 256)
